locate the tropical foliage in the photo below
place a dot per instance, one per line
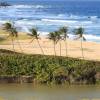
(34, 34)
(48, 69)
(13, 33)
(54, 36)
(63, 36)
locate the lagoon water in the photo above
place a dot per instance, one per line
(31, 92)
(49, 15)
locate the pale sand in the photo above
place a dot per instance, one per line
(91, 49)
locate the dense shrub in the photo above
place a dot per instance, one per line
(48, 69)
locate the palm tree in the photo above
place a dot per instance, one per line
(15, 34)
(12, 33)
(79, 32)
(54, 37)
(64, 34)
(59, 38)
(8, 28)
(35, 35)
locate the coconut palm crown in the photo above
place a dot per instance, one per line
(79, 32)
(63, 31)
(7, 26)
(13, 33)
(54, 36)
(34, 33)
(11, 29)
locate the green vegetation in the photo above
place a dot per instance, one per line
(49, 69)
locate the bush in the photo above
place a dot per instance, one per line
(48, 69)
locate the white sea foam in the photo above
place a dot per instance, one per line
(71, 36)
(59, 21)
(61, 15)
(72, 23)
(20, 6)
(28, 6)
(25, 25)
(76, 17)
(88, 37)
(2, 22)
(26, 18)
(94, 17)
(92, 37)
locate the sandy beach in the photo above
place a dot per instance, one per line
(91, 49)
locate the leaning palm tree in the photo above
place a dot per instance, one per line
(54, 37)
(9, 29)
(79, 33)
(35, 35)
(64, 33)
(15, 34)
(59, 38)
(12, 33)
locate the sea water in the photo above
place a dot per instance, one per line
(49, 15)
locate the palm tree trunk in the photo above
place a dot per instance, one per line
(32, 44)
(19, 45)
(60, 47)
(31, 40)
(82, 49)
(40, 46)
(54, 49)
(66, 45)
(13, 44)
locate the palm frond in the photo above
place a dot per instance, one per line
(84, 39)
(54, 36)
(79, 31)
(34, 33)
(63, 29)
(13, 32)
(7, 26)
(63, 32)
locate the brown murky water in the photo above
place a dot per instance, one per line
(31, 92)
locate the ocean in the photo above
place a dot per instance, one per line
(49, 15)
